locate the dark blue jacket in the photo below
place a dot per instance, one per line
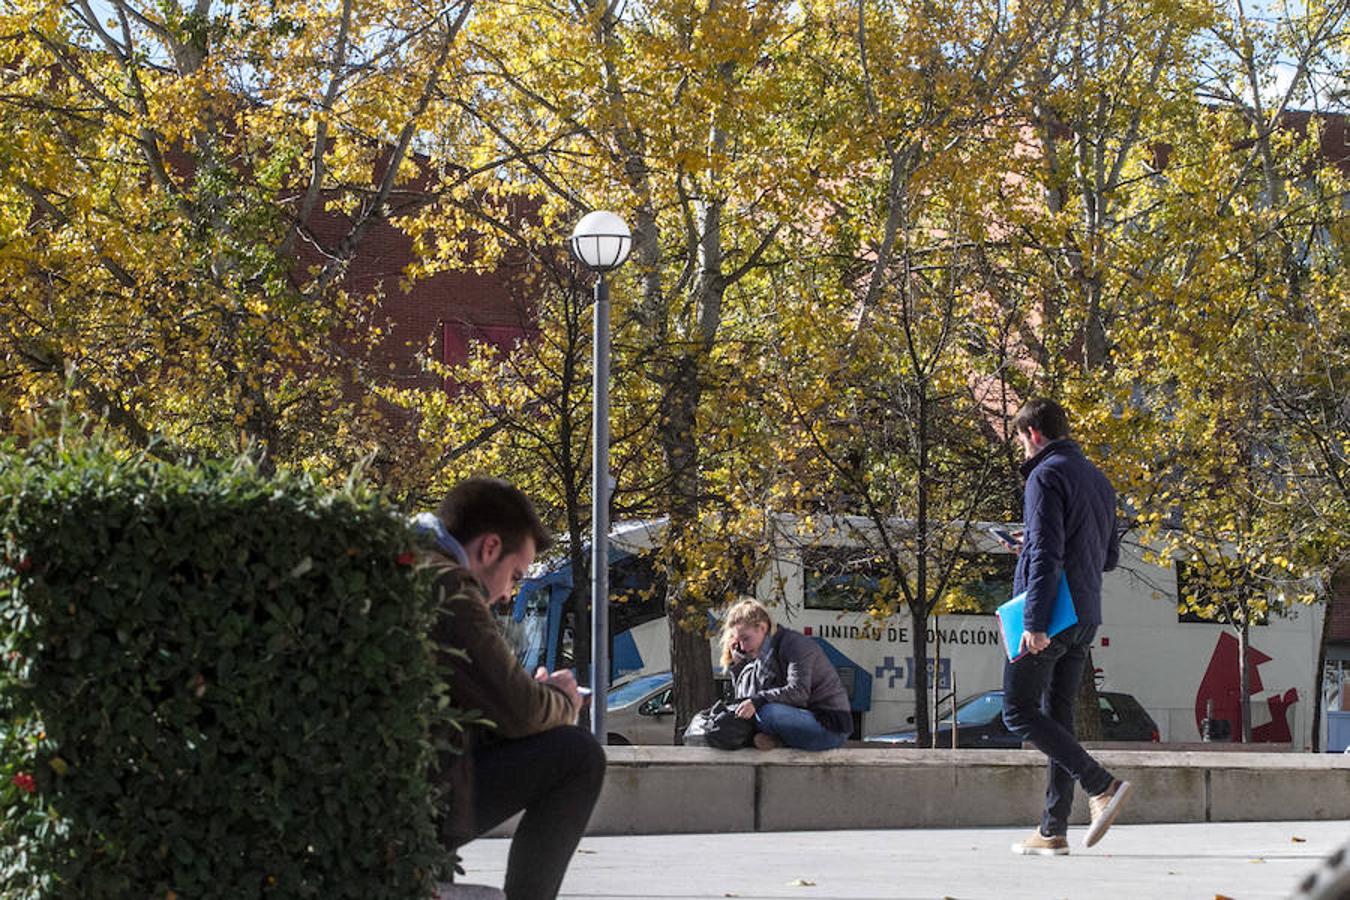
(1069, 517)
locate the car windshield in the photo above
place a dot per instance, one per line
(980, 710)
(636, 689)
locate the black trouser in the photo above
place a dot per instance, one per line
(555, 777)
(1040, 694)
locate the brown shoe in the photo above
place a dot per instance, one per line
(1040, 845)
(1104, 808)
(766, 741)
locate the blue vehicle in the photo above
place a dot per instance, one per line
(639, 634)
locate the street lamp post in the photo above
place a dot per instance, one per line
(601, 242)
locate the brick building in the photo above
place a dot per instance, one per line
(442, 313)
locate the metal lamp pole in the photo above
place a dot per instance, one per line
(601, 242)
(600, 512)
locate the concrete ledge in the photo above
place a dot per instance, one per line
(670, 790)
(698, 795)
(1185, 747)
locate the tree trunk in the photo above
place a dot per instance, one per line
(691, 660)
(572, 476)
(918, 622)
(937, 681)
(921, 606)
(1319, 684)
(690, 655)
(1244, 680)
(580, 601)
(1088, 718)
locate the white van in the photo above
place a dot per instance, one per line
(822, 581)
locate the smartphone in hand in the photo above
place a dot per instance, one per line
(1005, 537)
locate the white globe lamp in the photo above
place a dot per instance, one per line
(601, 241)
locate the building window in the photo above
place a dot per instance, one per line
(456, 338)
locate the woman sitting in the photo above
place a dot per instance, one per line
(789, 687)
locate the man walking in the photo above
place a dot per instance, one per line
(1069, 521)
(533, 757)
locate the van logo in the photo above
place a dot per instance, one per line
(891, 671)
(944, 676)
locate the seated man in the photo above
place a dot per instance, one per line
(533, 758)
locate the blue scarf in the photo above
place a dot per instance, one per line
(429, 526)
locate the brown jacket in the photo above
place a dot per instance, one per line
(491, 681)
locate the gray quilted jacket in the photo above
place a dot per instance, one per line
(792, 669)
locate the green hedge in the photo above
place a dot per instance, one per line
(213, 684)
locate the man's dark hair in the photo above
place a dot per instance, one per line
(1045, 415)
(478, 506)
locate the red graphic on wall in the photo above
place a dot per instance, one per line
(1222, 686)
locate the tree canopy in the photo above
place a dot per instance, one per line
(863, 232)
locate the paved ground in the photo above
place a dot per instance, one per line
(1171, 862)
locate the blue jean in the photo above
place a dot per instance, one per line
(1040, 694)
(797, 727)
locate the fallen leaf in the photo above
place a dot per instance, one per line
(1222, 897)
(1298, 840)
(801, 882)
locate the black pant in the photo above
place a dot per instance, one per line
(555, 777)
(1040, 694)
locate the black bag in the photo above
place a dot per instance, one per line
(719, 727)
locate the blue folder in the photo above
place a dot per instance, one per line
(1012, 614)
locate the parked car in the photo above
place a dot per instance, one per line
(642, 710)
(979, 723)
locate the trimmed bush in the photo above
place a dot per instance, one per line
(213, 684)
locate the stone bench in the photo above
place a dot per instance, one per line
(665, 790)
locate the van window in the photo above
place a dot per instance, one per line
(840, 578)
(527, 637)
(846, 579)
(637, 592)
(980, 584)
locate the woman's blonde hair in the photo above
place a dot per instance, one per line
(746, 611)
